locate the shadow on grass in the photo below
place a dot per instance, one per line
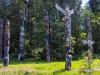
(72, 72)
(59, 71)
(26, 61)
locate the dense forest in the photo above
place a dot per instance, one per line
(36, 32)
(49, 37)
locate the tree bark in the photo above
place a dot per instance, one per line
(23, 23)
(47, 35)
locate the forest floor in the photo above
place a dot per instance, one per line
(34, 67)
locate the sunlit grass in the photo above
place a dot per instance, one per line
(34, 67)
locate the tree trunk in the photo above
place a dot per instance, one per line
(47, 35)
(23, 23)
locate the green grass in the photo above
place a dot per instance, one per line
(34, 67)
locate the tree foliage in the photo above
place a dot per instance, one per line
(35, 28)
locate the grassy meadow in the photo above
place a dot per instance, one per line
(36, 67)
